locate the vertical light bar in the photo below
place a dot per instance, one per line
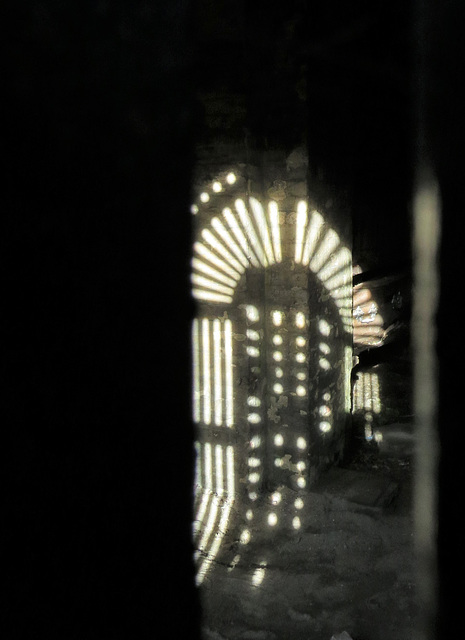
(206, 371)
(367, 391)
(195, 372)
(230, 471)
(233, 225)
(219, 470)
(228, 373)
(248, 226)
(347, 377)
(313, 234)
(275, 233)
(206, 488)
(375, 393)
(198, 465)
(300, 228)
(218, 400)
(262, 225)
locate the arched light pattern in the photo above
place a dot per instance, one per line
(212, 372)
(214, 501)
(366, 399)
(320, 248)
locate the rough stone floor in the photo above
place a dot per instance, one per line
(348, 567)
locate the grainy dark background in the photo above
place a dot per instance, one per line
(103, 105)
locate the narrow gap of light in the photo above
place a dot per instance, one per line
(228, 365)
(252, 335)
(220, 248)
(313, 234)
(278, 440)
(262, 225)
(206, 371)
(219, 534)
(252, 236)
(211, 296)
(300, 228)
(347, 378)
(230, 479)
(253, 351)
(202, 250)
(277, 318)
(217, 374)
(258, 576)
(324, 327)
(327, 246)
(367, 391)
(237, 231)
(196, 371)
(324, 348)
(224, 234)
(234, 562)
(375, 393)
(272, 519)
(219, 469)
(209, 271)
(198, 464)
(344, 302)
(252, 313)
(300, 321)
(200, 515)
(275, 232)
(200, 281)
(341, 292)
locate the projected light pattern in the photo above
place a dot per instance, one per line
(320, 248)
(368, 323)
(214, 498)
(366, 400)
(272, 352)
(212, 372)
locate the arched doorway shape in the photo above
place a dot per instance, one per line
(271, 356)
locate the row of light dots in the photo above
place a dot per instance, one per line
(216, 187)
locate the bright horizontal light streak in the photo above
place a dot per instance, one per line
(313, 234)
(344, 302)
(201, 281)
(209, 271)
(202, 250)
(210, 296)
(220, 248)
(326, 248)
(340, 279)
(206, 371)
(237, 231)
(218, 413)
(228, 373)
(343, 258)
(300, 228)
(341, 292)
(225, 235)
(254, 462)
(275, 232)
(196, 371)
(252, 236)
(262, 225)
